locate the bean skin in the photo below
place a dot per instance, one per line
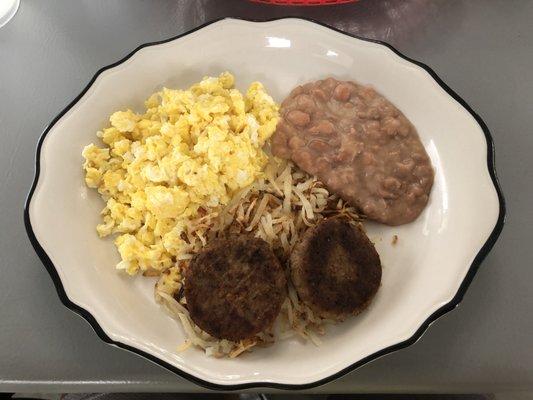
(298, 118)
(295, 143)
(324, 127)
(342, 92)
(319, 146)
(305, 103)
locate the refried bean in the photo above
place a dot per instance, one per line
(360, 145)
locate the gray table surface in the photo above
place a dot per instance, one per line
(482, 49)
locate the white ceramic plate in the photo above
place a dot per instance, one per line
(424, 275)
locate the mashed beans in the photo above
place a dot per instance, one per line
(360, 145)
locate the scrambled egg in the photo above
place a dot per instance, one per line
(186, 154)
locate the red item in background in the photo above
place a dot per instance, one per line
(303, 2)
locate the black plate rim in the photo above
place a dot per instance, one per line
(483, 252)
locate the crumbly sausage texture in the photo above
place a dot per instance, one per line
(360, 145)
(336, 269)
(235, 288)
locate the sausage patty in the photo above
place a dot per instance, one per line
(336, 269)
(235, 287)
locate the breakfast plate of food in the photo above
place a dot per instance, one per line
(250, 196)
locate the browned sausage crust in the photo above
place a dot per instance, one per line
(336, 269)
(235, 288)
